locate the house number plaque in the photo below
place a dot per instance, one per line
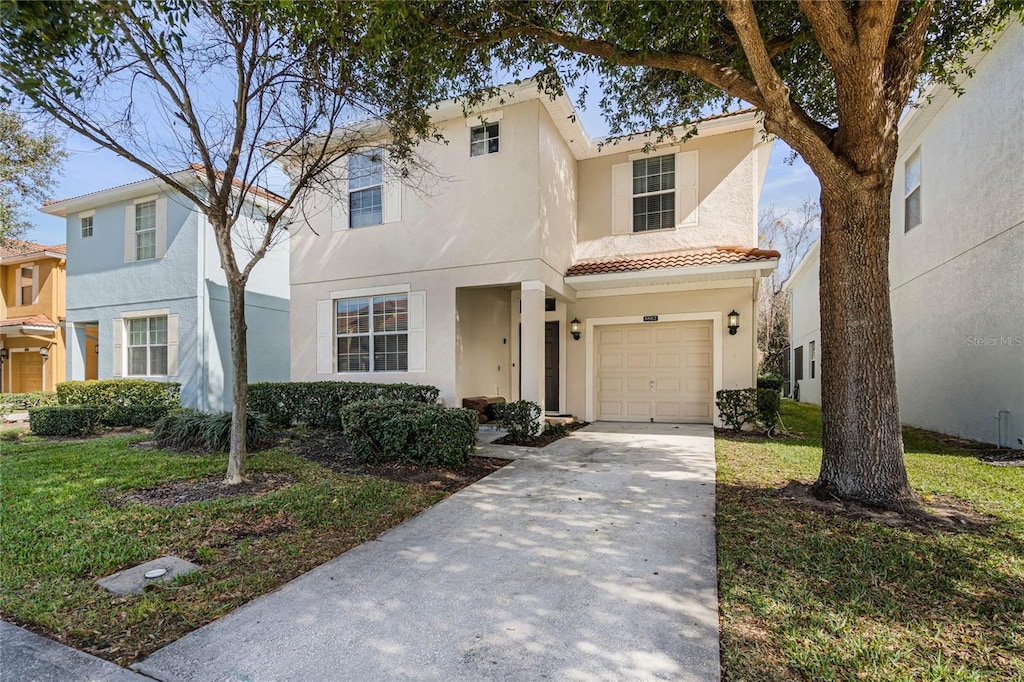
(650, 318)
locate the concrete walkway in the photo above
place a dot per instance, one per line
(592, 559)
(26, 656)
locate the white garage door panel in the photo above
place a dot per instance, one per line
(657, 370)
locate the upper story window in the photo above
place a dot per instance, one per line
(912, 192)
(373, 333)
(147, 346)
(145, 230)
(27, 285)
(654, 197)
(483, 139)
(87, 226)
(366, 189)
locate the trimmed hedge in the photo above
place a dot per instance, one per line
(26, 401)
(125, 402)
(770, 381)
(380, 430)
(748, 406)
(520, 418)
(64, 420)
(194, 430)
(319, 403)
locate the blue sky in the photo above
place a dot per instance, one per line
(88, 169)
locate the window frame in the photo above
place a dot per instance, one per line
(149, 345)
(812, 352)
(33, 294)
(487, 139)
(670, 193)
(91, 226)
(372, 333)
(146, 231)
(378, 186)
(798, 363)
(912, 193)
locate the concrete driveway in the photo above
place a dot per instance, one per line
(592, 559)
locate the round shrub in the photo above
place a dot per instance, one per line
(520, 418)
(382, 430)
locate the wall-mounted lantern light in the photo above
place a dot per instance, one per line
(45, 352)
(574, 328)
(734, 322)
(4, 354)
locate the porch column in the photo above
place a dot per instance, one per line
(531, 349)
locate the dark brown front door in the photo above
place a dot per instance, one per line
(551, 367)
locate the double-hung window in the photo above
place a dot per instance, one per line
(373, 333)
(366, 189)
(147, 346)
(912, 192)
(145, 230)
(483, 139)
(87, 226)
(654, 196)
(27, 284)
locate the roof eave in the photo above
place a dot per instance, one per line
(608, 280)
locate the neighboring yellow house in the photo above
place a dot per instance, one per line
(33, 282)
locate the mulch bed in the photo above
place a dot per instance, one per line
(176, 493)
(937, 513)
(328, 448)
(546, 438)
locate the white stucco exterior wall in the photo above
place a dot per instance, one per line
(805, 327)
(957, 279)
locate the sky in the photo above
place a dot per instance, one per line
(90, 169)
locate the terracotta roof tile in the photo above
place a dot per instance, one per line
(717, 255)
(33, 321)
(15, 248)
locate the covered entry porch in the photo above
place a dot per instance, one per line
(511, 341)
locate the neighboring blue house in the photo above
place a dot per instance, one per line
(146, 296)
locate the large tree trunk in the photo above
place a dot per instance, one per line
(861, 438)
(239, 380)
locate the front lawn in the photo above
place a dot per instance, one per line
(68, 519)
(811, 595)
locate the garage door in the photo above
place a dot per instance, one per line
(660, 371)
(28, 372)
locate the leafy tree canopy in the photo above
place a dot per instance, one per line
(28, 164)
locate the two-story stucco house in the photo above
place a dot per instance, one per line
(595, 280)
(147, 296)
(32, 291)
(956, 261)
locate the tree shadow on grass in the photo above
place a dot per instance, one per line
(823, 596)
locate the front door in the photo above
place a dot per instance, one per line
(551, 338)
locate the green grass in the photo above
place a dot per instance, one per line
(60, 533)
(810, 596)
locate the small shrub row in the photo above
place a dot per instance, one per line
(520, 418)
(194, 430)
(319, 403)
(426, 434)
(64, 420)
(748, 406)
(124, 402)
(25, 401)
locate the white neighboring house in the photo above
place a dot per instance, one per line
(805, 329)
(956, 264)
(147, 297)
(595, 280)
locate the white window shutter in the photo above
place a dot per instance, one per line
(417, 331)
(622, 198)
(687, 198)
(172, 345)
(116, 345)
(324, 337)
(339, 200)
(391, 195)
(161, 227)
(129, 233)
